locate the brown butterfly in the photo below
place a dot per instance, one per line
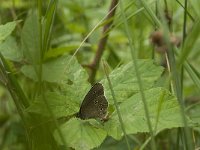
(95, 104)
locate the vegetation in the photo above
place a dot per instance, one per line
(144, 53)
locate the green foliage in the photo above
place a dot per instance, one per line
(11, 50)
(59, 68)
(124, 79)
(47, 81)
(195, 5)
(163, 108)
(189, 43)
(59, 104)
(72, 79)
(6, 30)
(82, 135)
(161, 104)
(30, 39)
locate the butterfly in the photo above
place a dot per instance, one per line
(95, 104)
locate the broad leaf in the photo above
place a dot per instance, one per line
(57, 71)
(53, 71)
(72, 80)
(124, 80)
(163, 109)
(59, 105)
(81, 135)
(6, 30)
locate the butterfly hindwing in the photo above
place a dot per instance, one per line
(102, 105)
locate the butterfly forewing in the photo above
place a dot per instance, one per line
(94, 104)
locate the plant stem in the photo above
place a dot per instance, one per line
(102, 43)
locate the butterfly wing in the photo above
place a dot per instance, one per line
(94, 104)
(101, 106)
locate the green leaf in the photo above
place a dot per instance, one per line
(163, 109)
(70, 47)
(124, 80)
(48, 22)
(81, 135)
(74, 86)
(58, 103)
(53, 71)
(72, 80)
(189, 43)
(10, 49)
(30, 39)
(196, 6)
(40, 131)
(57, 71)
(194, 113)
(6, 30)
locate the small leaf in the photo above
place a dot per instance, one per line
(70, 47)
(194, 113)
(10, 49)
(81, 135)
(6, 30)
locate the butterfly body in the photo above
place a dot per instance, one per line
(94, 104)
